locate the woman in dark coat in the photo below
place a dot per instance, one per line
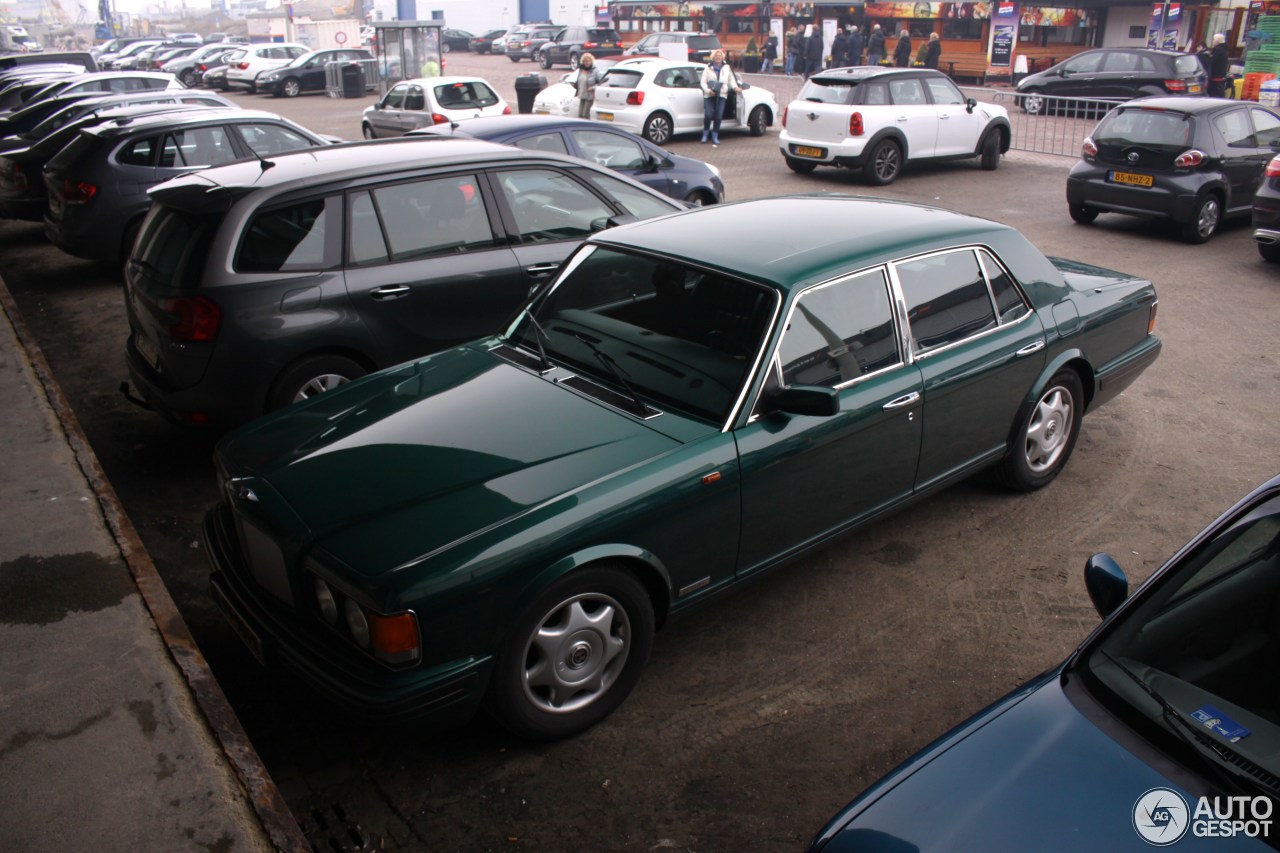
(902, 53)
(933, 51)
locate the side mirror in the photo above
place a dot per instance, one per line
(970, 103)
(1106, 583)
(806, 400)
(745, 86)
(612, 221)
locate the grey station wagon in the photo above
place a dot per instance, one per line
(250, 289)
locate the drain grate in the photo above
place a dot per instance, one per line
(330, 830)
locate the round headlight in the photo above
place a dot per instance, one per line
(357, 624)
(326, 602)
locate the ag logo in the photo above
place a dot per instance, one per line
(1160, 816)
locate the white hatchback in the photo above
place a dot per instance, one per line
(658, 98)
(257, 58)
(877, 119)
(561, 99)
(427, 101)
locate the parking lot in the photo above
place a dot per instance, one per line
(759, 716)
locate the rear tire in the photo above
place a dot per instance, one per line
(311, 376)
(800, 167)
(513, 58)
(658, 129)
(1270, 252)
(188, 78)
(884, 164)
(1081, 214)
(758, 121)
(1205, 222)
(1032, 103)
(1045, 436)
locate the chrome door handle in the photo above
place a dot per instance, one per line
(904, 400)
(944, 116)
(541, 269)
(1030, 348)
(393, 291)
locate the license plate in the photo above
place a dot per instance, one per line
(55, 206)
(147, 350)
(805, 151)
(1131, 179)
(238, 624)
(1193, 88)
(540, 111)
(605, 116)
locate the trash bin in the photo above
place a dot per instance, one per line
(527, 87)
(352, 81)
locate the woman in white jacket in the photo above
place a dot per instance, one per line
(585, 83)
(718, 80)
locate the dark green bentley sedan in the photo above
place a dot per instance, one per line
(694, 399)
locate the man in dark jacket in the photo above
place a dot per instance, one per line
(902, 53)
(875, 45)
(855, 46)
(840, 49)
(813, 53)
(1219, 64)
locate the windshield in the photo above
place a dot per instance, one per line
(1205, 642)
(680, 337)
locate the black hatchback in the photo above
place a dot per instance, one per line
(1194, 161)
(1118, 73)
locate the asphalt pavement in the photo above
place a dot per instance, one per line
(114, 735)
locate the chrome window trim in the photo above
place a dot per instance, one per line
(1022, 296)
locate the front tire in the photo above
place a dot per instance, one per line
(574, 655)
(311, 376)
(884, 164)
(367, 130)
(991, 151)
(1204, 222)
(1046, 435)
(545, 60)
(291, 88)
(574, 61)
(658, 129)
(699, 198)
(758, 121)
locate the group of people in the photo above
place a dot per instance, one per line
(805, 50)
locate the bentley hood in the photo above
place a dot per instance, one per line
(401, 464)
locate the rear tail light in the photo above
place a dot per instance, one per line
(242, 65)
(1175, 87)
(1088, 148)
(1273, 168)
(635, 98)
(506, 111)
(1151, 321)
(785, 110)
(192, 318)
(590, 45)
(202, 67)
(436, 118)
(77, 192)
(1188, 159)
(13, 173)
(855, 124)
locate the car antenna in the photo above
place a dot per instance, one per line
(263, 162)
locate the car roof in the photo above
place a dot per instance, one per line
(445, 81)
(1191, 104)
(790, 242)
(484, 126)
(865, 72)
(193, 116)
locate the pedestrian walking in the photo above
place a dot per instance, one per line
(933, 52)
(902, 53)
(718, 80)
(795, 51)
(1219, 64)
(855, 46)
(813, 52)
(840, 49)
(769, 55)
(875, 45)
(585, 85)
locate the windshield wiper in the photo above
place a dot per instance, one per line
(1230, 779)
(615, 370)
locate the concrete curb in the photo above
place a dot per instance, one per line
(276, 819)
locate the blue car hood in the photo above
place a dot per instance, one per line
(401, 464)
(1030, 773)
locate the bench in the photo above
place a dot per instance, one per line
(966, 65)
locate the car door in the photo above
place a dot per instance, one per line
(914, 116)
(1120, 75)
(1244, 155)
(979, 349)
(806, 477)
(624, 154)
(958, 127)
(427, 264)
(681, 88)
(416, 112)
(385, 119)
(1078, 76)
(312, 73)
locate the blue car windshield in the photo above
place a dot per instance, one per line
(678, 336)
(1205, 642)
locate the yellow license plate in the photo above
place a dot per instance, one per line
(805, 151)
(1193, 88)
(541, 112)
(1131, 179)
(147, 350)
(605, 116)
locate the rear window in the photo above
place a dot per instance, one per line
(172, 248)
(621, 78)
(77, 148)
(603, 35)
(470, 95)
(1157, 129)
(704, 42)
(1188, 64)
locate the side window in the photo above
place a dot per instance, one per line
(415, 98)
(630, 198)
(434, 216)
(906, 92)
(286, 239)
(1235, 128)
(943, 91)
(1010, 304)
(874, 94)
(131, 84)
(1266, 127)
(549, 141)
(395, 98)
(368, 246)
(199, 146)
(947, 298)
(1084, 62)
(268, 139)
(1121, 61)
(140, 152)
(840, 332)
(549, 205)
(610, 149)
